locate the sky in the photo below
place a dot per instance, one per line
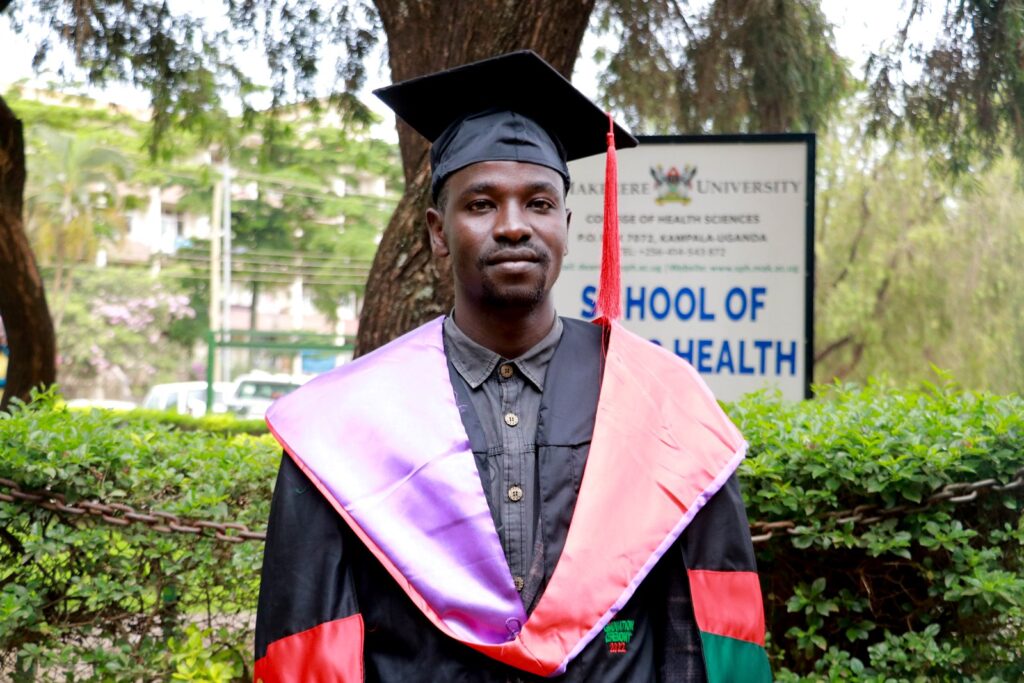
(860, 27)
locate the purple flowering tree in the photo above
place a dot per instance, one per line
(117, 334)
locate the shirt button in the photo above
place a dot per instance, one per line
(519, 583)
(515, 493)
(511, 419)
(506, 371)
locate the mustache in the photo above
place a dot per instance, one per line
(501, 254)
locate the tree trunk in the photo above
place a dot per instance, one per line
(22, 300)
(407, 286)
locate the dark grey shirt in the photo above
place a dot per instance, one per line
(506, 396)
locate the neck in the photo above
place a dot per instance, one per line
(509, 332)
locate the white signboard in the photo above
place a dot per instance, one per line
(717, 254)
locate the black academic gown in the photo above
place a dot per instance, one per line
(317, 571)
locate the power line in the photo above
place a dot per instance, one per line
(270, 279)
(353, 279)
(270, 253)
(381, 202)
(290, 266)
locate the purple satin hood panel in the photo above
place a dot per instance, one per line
(384, 437)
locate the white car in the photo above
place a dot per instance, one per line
(254, 392)
(186, 398)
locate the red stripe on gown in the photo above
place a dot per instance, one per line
(329, 653)
(728, 603)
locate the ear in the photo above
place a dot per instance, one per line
(568, 223)
(435, 228)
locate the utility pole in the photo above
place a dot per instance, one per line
(212, 369)
(296, 302)
(215, 305)
(226, 226)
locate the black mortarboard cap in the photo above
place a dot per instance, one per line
(514, 107)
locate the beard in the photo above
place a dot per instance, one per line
(522, 295)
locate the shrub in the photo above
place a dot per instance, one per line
(218, 423)
(91, 601)
(933, 593)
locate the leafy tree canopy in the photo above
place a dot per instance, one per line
(964, 94)
(913, 271)
(726, 65)
(122, 329)
(759, 66)
(188, 65)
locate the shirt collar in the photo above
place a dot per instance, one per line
(475, 363)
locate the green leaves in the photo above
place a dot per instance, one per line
(122, 603)
(912, 269)
(193, 660)
(935, 592)
(722, 67)
(963, 93)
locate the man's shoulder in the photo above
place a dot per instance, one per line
(581, 332)
(582, 326)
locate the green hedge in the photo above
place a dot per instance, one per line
(221, 423)
(936, 594)
(89, 601)
(932, 594)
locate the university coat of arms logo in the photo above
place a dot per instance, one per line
(673, 185)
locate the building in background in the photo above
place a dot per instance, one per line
(167, 222)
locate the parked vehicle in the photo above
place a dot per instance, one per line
(254, 392)
(187, 398)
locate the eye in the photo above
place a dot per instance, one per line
(541, 204)
(478, 205)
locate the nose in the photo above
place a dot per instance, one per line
(512, 225)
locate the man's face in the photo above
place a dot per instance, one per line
(504, 225)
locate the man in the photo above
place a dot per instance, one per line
(505, 495)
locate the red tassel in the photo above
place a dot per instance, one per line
(608, 297)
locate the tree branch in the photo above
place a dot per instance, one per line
(832, 348)
(681, 16)
(865, 217)
(858, 353)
